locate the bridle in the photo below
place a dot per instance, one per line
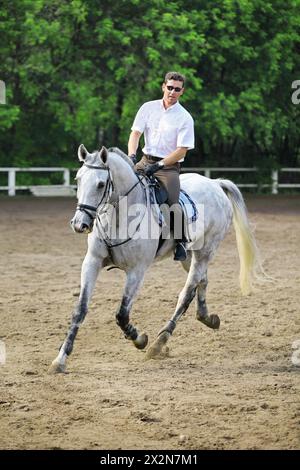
(108, 190)
(108, 185)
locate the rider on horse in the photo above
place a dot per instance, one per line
(168, 133)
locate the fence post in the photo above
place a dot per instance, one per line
(274, 181)
(11, 182)
(207, 173)
(66, 177)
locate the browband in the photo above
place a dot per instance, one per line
(96, 167)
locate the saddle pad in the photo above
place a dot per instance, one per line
(188, 206)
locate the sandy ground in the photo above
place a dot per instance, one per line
(235, 388)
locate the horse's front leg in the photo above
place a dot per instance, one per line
(134, 281)
(90, 268)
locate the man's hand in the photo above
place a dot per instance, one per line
(153, 168)
(133, 158)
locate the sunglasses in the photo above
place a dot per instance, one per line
(176, 88)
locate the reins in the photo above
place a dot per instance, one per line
(115, 205)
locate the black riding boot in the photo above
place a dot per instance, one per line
(180, 250)
(180, 253)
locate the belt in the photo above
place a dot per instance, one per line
(151, 157)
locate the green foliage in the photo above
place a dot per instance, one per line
(77, 71)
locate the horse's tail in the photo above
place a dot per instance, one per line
(249, 256)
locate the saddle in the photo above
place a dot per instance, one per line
(159, 195)
(160, 192)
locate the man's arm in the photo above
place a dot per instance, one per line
(170, 159)
(175, 156)
(133, 142)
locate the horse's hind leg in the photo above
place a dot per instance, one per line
(89, 272)
(212, 321)
(196, 281)
(134, 281)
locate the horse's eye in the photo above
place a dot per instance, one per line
(100, 184)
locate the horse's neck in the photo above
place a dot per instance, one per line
(124, 179)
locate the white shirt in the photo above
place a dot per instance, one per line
(164, 129)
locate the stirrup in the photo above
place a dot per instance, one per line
(180, 251)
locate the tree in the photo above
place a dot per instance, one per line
(77, 71)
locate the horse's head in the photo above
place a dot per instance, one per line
(94, 186)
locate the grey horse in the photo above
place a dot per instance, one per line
(105, 179)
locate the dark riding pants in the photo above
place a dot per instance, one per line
(169, 177)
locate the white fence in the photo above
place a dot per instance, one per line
(12, 187)
(275, 185)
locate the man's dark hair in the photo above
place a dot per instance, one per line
(175, 76)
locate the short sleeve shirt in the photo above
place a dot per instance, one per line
(164, 129)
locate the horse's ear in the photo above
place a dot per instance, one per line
(82, 152)
(103, 154)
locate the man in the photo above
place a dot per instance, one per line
(168, 133)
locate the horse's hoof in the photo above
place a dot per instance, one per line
(156, 349)
(212, 321)
(141, 341)
(57, 368)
